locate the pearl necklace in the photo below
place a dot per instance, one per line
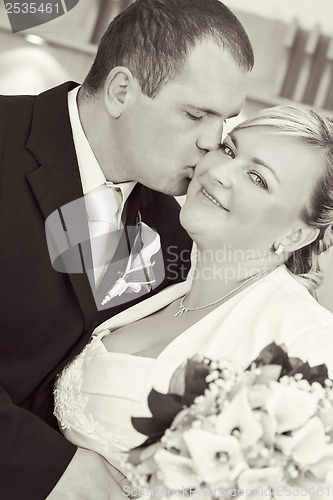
(184, 309)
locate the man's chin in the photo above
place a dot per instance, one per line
(172, 188)
(179, 190)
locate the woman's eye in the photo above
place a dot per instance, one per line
(227, 150)
(258, 180)
(194, 117)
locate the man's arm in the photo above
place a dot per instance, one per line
(32, 455)
(37, 462)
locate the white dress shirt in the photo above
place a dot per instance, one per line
(92, 180)
(90, 171)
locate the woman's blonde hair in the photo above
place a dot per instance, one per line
(307, 126)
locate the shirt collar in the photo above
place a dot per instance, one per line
(90, 172)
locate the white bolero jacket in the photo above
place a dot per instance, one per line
(99, 392)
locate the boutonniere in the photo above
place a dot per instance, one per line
(139, 269)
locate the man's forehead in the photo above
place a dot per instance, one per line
(215, 100)
(213, 74)
(216, 86)
(208, 55)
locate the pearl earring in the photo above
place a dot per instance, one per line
(279, 249)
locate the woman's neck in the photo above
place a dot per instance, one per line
(214, 278)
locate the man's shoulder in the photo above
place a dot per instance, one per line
(15, 103)
(26, 101)
(17, 111)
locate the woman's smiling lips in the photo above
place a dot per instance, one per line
(212, 199)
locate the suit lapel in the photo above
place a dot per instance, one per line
(137, 202)
(57, 181)
(146, 307)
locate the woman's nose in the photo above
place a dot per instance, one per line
(219, 168)
(222, 175)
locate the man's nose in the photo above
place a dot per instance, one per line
(210, 136)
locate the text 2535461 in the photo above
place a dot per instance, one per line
(32, 8)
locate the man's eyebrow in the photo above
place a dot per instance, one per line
(236, 113)
(213, 112)
(208, 111)
(257, 161)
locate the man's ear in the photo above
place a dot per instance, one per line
(299, 237)
(116, 90)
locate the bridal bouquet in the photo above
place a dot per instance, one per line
(225, 432)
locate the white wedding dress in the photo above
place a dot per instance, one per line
(98, 393)
(96, 396)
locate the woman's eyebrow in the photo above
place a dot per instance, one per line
(257, 161)
(233, 139)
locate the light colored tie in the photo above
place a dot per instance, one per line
(104, 219)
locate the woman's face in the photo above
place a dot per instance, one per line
(250, 193)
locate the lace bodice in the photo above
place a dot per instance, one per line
(96, 395)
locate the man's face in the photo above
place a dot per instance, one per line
(161, 140)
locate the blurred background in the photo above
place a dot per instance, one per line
(292, 41)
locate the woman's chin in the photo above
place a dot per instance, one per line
(188, 218)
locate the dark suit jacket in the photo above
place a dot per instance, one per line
(46, 317)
